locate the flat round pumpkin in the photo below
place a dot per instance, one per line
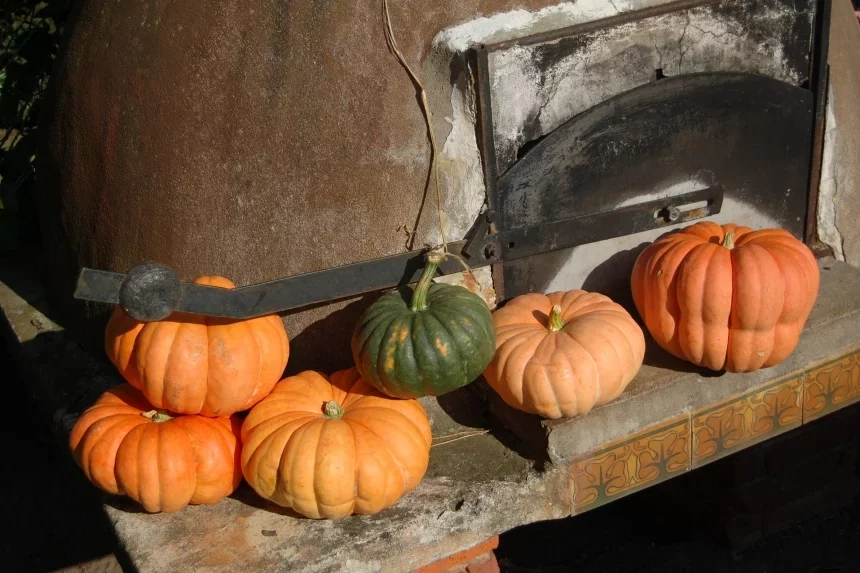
(192, 364)
(331, 447)
(425, 342)
(561, 354)
(163, 462)
(726, 297)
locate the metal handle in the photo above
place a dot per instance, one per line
(152, 291)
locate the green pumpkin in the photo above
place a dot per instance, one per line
(425, 342)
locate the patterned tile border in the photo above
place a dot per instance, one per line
(744, 420)
(831, 386)
(628, 465)
(689, 441)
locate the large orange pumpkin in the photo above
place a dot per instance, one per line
(329, 448)
(161, 461)
(562, 354)
(726, 297)
(193, 364)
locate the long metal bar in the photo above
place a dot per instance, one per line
(386, 272)
(488, 145)
(819, 79)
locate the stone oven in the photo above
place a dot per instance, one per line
(182, 152)
(280, 143)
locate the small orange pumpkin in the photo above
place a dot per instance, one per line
(328, 448)
(193, 364)
(726, 297)
(161, 461)
(561, 354)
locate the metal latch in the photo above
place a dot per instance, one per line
(152, 291)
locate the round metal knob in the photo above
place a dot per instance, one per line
(150, 292)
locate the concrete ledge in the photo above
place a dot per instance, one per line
(673, 418)
(667, 388)
(476, 486)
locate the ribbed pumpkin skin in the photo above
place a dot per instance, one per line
(588, 362)
(192, 364)
(736, 309)
(163, 466)
(361, 462)
(409, 354)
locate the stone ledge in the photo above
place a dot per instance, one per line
(667, 388)
(669, 421)
(475, 488)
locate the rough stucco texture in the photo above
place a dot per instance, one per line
(253, 139)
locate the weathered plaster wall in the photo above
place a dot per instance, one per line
(839, 193)
(460, 161)
(260, 139)
(250, 138)
(536, 88)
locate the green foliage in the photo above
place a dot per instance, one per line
(29, 38)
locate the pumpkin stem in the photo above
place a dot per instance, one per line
(729, 241)
(431, 263)
(332, 410)
(157, 416)
(555, 321)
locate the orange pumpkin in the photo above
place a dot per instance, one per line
(328, 448)
(162, 462)
(192, 364)
(561, 354)
(726, 297)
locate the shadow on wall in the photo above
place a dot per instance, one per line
(324, 345)
(612, 277)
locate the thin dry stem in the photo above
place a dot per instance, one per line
(463, 437)
(428, 116)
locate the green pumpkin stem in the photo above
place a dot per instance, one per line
(157, 416)
(555, 321)
(332, 410)
(729, 241)
(431, 263)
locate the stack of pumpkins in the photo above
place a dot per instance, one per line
(324, 446)
(722, 297)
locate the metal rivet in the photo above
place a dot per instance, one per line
(150, 292)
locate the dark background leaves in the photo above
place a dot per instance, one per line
(29, 40)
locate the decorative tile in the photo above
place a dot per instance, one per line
(622, 467)
(831, 386)
(672, 447)
(744, 420)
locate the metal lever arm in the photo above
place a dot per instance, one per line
(152, 291)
